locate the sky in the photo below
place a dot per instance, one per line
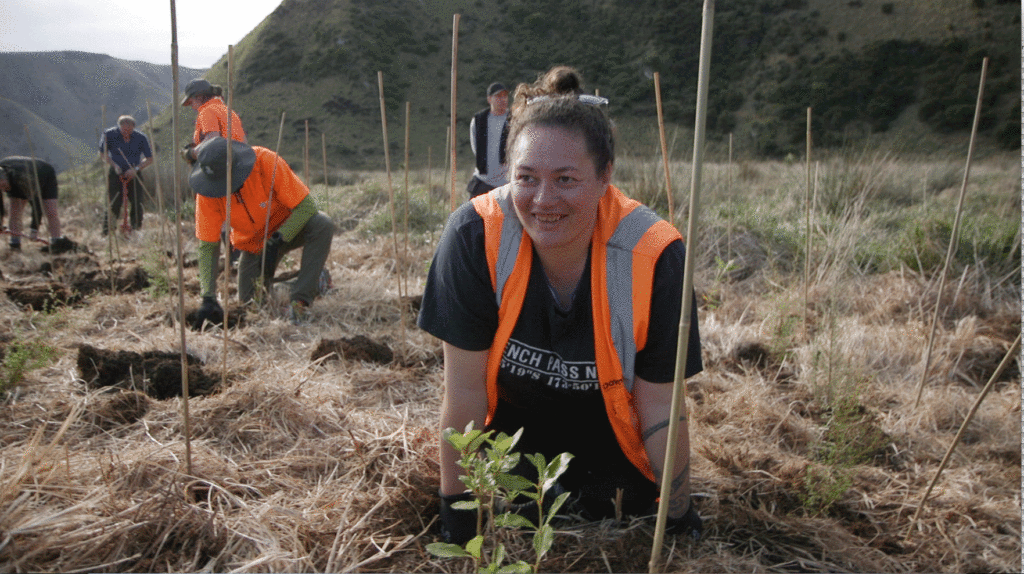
(139, 30)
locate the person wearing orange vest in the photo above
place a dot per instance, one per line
(557, 299)
(211, 118)
(271, 213)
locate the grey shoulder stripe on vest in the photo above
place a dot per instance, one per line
(511, 236)
(620, 285)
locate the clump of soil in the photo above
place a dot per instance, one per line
(71, 279)
(156, 373)
(44, 296)
(358, 348)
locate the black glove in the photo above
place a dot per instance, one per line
(210, 311)
(271, 253)
(186, 153)
(688, 524)
(457, 526)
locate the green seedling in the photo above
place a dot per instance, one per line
(488, 461)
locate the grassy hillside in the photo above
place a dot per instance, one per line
(66, 98)
(868, 68)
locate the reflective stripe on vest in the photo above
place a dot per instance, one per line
(628, 239)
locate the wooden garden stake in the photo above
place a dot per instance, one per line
(954, 236)
(270, 201)
(391, 199)
(685, 318)
(664, 147)
(156, 170)
(227, 217)
(405, 253)
(430, 196)
(807, 228)
(728, 225)
(305, 156)
(1010, 355)
(451, 132)
(327, 189)
(181, 266)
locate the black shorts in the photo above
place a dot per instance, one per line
(47, 185)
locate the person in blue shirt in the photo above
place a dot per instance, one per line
(127, 152)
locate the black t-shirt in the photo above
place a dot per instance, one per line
(547, 382)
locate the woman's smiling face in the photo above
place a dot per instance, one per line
(556, 187)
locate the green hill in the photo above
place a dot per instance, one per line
(865, 66)
(62, 96)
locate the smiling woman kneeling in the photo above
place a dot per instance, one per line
(558, 299)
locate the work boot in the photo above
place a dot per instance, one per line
(15, 246)
(298, 313)
(325, 283)
(59, 245)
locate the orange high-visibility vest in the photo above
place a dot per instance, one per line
(627, 241)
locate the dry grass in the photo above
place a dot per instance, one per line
(330, 465)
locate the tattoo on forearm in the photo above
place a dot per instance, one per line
(679, 500)
(657, 427)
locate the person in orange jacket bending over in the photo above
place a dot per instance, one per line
(294, 222)
(558, 301)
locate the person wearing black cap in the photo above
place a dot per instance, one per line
(487, 133)
(212, 116)
(271, 213)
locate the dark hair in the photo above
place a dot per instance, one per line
(203, 97)
(553, 101)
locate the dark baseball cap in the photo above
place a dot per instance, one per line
(495, 88)
(209, 177)
(196, 86)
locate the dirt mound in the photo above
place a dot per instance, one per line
(71, 279)
(358, 348)
(44, 296)
(156, 373)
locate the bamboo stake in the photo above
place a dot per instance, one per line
(391, 198)
(451, 127)
(1010, 355)
(181, 266)
(37, 190)
(685, 318)
(227, 218)
(954, 236)
(728, 224)
(305, 156)
(664, 147)
(405, 254)
(807, 228)
(327, 189)
(430, 196)
(156, 171)
(270, 202)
